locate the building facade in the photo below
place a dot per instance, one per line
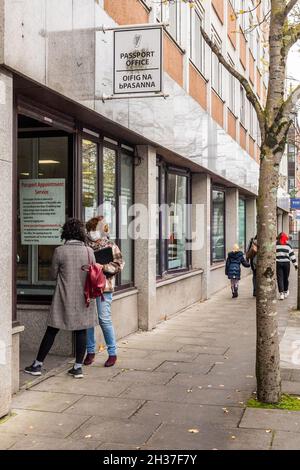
(198, 147)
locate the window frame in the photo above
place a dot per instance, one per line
(163, 15)
(197, 12)
(242, 198)
(231, 88)
(216, 66)
(118, 147)
(163, 243)
(219, 189)
(242, 106)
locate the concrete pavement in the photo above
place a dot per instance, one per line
(182, 386)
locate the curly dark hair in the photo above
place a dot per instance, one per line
(73, 229)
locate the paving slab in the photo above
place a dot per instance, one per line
(202, 367)
(179, 394)
(106, 407)
(208, 438)
(44, 401)
(204, 350)
(281, 420)
(51, 443)
(115, 430)
(286, 441)
(143, 377)
(7, 440)
(290, 387)
(214, 381)
(41, 423)
(194, 415)
(117, 446)
(86, 386)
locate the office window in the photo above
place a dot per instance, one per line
(243, 16)
(291, 183)
(172, 230)
(258, 49)
(291, 153)
(242, 106)
(216, 66)
(218, 226)
(89, 151)
(197, 41)
(177, 223)
(251, 120)
(171, 13)
(231, 88)
(242, 224)
(107, 189)
(126, 190)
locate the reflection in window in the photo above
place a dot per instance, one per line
(242, 224)
(109, 189)
(218, 226)
(89, 179)
(126, 201)
(177, 224)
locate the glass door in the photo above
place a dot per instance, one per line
(43, 162)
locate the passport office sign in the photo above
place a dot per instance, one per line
(138, 61)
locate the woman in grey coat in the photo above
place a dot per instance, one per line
(68, 309)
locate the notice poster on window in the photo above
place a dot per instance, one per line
(42, 211)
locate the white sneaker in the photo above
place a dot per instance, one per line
(281, 297)
(286, 294)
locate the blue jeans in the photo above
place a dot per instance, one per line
(105, 322)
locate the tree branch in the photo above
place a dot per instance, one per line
(293, 35)
(243, 81)
(291, 101)
(289, 7)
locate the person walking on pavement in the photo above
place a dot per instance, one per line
(68, 310)
(98, 240)
(233, 268)
(284, 256)
(251, 255)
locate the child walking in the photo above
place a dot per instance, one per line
(233, 268)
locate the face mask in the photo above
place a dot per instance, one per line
(95, 236)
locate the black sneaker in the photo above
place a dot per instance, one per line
(76, 373)
(33, 370)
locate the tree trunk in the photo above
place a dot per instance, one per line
(267, 345)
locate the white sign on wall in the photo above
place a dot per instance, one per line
(42, 211)
(138, 61)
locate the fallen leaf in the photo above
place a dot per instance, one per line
(189, 390)
(268, 430)
(225, 410)
(101, 348)
(233, 437)
(88, 436)
(194, 431)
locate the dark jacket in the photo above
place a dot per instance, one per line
(233, 264)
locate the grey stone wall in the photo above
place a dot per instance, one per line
(6, 109)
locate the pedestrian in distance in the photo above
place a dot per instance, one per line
(107, 254)
(284, 256)
(233, 268)
(251, 255)
(68, 309)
